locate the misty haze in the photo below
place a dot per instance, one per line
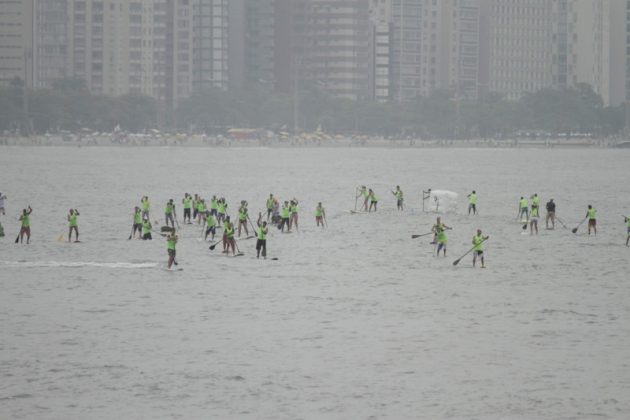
(314, 209)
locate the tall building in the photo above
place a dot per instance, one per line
(521, 41)
(179, 51)
(436, 45)
(50, 39)
(331, 46)
(627, 47)
(556, 43)
(210, 44)
(618, 30)
(381, 29)
(16, 41)
(466, 49)
(137, 47)
(260, 51)
(406, 61)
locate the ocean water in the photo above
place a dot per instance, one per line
(357, 321)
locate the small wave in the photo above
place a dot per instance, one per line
(78, 264)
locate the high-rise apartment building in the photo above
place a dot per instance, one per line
(406, 54)
(466, 49)
(381, 29)
(138, 47)
(16, 41)
(555, 43)
(627, 49)
(331, 46)
(50, 41)
(521, 47)
(179, 51)
(210, 43)
(435, 45)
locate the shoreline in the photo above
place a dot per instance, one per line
(301, 142)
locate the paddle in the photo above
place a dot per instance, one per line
(252, 224)
(562, 223)
(575, 229)
(420, 236)
(469, 251)
(131, 234)
(17, 238)
(214, 245)
(430, 233)
(175, 217)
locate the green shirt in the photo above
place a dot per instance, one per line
(210, 221)
(478, 243)
(284, 213)
(187, 202)
(242, 214)
(262, 233)
(628, 221)
(524, 203)
(213, 204)
(72, 220)
(169, 208)
(170, 244)
(26, 221)
(536, 201)
(472, 199)
(270, 203)
(146, 227)
(441, 237)
(222, 207)
(592, 214)
(146, 205)
(229, 231)
(137, 218)
(319, 211)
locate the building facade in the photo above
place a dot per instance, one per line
(50, 39)
(406, 49)
(16, 42)
(210, 44)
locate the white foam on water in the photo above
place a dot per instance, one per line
(77, 264)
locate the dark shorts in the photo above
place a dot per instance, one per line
(171, 253)
(472, 206)
(213, 212)
(212, 230)
(146, 236)
(261, 243)
(478, 252)
(137, 226)
(187, 213)
(592, 222)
